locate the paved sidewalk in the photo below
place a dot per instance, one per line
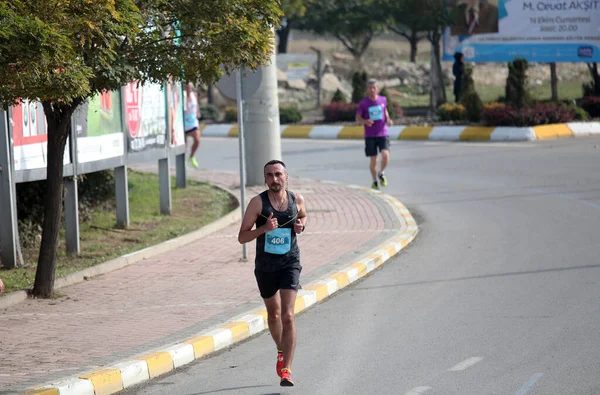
(179, 294)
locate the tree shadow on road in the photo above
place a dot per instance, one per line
(560, 269)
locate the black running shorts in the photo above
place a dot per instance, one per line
(271, 282)
(373, 144)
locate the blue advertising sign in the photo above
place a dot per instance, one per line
(542, 31)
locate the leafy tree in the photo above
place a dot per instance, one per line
(292, 10)
(409, 17)
(62, 52)
(434, 19)
(405, 18)
(345, 20)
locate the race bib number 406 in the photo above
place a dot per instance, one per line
(278, 241)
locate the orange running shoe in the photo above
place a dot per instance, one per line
(279, 365)
(286, 378)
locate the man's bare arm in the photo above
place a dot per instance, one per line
(363, 121)
(247, 234)
(302, 215)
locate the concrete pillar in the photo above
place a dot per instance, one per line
(262, 138)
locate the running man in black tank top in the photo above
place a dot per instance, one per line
(279, 215)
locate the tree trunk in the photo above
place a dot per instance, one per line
(414, 42)
(210, 94)
(357, 63)
(59, 123)
(438, 90)
(284, 35)
(595, 77)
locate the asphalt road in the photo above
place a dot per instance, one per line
(499, 294)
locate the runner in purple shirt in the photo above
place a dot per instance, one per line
(372, 113)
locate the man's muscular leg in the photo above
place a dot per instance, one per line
(288, 338)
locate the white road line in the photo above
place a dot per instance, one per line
(467, 363)
(532, 380)
(418, 390)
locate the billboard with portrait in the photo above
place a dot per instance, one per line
(538, 30)
(99, 128)
(146, 120)
(28, 125)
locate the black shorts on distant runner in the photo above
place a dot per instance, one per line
(373, 145)
(191, 130)
(271, 282)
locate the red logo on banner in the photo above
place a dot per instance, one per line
(132, 105)
(106, 101)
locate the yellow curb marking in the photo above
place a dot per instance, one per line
(377, 259)
(552, 131)
(299, 305)
(263, 313)
(391, 250)
(361, 269)
(415, 133)
(342, 279)
(351, 132)
(234, 131)
(321, 290)
(297, 131)
(203, 345)
(239, 330)
(42, 391)
(477, 133)
(158, 363)
(105, 381)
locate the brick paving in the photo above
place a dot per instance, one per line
(172, 296)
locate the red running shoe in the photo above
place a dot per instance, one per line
(279, 365)
(286, 378)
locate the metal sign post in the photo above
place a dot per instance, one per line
(239, 88)
(8, 226)
(240, 110)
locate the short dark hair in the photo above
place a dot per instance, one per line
(275, 162)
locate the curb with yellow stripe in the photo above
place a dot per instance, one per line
(116, 378)
(435, 133)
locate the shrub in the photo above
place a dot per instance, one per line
(394, 109)
(467, 84)
(340, 112)
(209, 112)
(588, 88)
(473, 106)
(452, 112)
(493, 106)
(398, 110)
(470, 98)
(540, 114)
(339, 97)
(591, 104)
(516, 83)
(231, 114)
(359, 86)
(289, 115)
(580, 113)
